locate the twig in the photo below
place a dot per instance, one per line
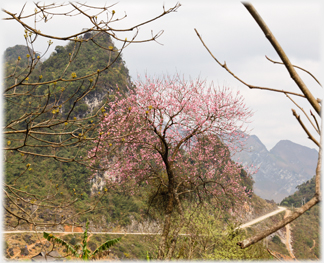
(240, 80)
(317, 130)
(276, 62)
(310, 136)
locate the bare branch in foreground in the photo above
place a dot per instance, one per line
(310, 136)
(293, 74)
(315, 103)
(316, 129)
(276, 62)
(239, 79)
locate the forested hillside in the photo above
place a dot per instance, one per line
(306, 229)
(69, 179)
(304, 193)
(89, 58)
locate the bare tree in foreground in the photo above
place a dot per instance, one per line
(315, 104)
(42, 120)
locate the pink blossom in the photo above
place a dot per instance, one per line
(170, 129)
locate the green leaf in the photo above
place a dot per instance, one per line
(106, 245)
(52, 238)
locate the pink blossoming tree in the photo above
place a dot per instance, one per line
(175, 137)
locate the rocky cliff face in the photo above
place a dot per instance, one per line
(281, 169)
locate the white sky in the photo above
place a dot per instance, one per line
(232, 35)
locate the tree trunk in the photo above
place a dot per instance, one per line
(168, 210)
(166, 226)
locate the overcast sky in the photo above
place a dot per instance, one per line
(233, 36)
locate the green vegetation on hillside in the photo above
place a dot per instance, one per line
(306, 235)
(304, 193)
(39, 176)
(306, 228)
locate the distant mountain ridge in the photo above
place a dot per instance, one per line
(281, 169)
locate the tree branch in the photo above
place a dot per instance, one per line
(299, 211)
(293, 74)
(276, 62)
(310, 136)
(317, 130)
(240, 80)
